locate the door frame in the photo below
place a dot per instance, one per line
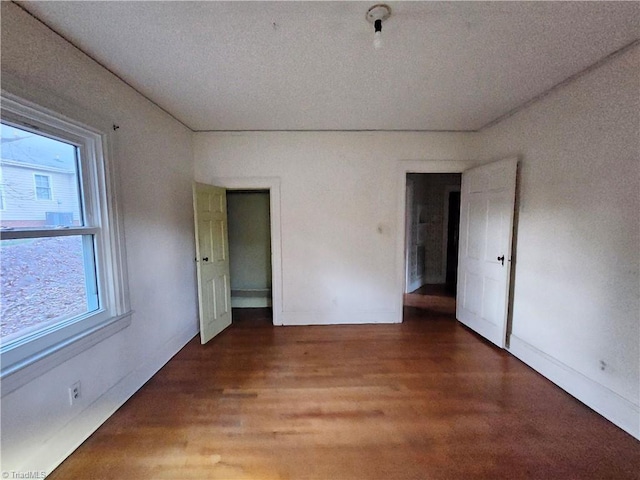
(272, 184)
(415, 166)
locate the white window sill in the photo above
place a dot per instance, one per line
(19, 374)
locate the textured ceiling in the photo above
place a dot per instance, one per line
(312, 65)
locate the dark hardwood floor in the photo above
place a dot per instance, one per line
(435, 289)
(426, 399)
(435, 297)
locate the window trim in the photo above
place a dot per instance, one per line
(49, 187)
(39, 351)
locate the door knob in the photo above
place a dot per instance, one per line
(205, 259)
(501, 259)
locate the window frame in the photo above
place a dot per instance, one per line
(2, 199)
(25, 357)
(48, 187)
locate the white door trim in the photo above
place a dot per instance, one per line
(415, 166)
(273, 185)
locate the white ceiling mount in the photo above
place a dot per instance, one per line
(378, 12)
(376, 15)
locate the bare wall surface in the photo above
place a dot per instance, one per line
(576, 292)
(340, 221)
(154, 159)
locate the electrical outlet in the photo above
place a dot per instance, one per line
(74, 393)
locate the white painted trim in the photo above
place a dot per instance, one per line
(49, 187)
(38, 364)
(273, 185)
(340, 317)
(57, 448)
(612, 406)
(415, 166)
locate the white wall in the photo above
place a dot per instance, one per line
(576, 292)
(339, 204)
(154, 158)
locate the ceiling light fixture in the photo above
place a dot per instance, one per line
(376, 15)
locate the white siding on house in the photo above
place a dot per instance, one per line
(20, 199)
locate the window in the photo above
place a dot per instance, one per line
(43, 187)
(1, 191)
(61, 261)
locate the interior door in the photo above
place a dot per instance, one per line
(484, 265)
(212, 260)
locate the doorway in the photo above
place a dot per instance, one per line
(432, 218)
(249, 232)
(271, 185)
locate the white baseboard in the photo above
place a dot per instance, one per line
(615, 408)
(339, 318)
(56, 449)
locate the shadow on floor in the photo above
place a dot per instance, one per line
(434, 297)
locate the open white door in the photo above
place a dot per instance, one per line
(486, 226)
(212, 259)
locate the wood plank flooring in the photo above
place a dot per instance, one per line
(435, 297)
(426, 399)
(435, 303)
